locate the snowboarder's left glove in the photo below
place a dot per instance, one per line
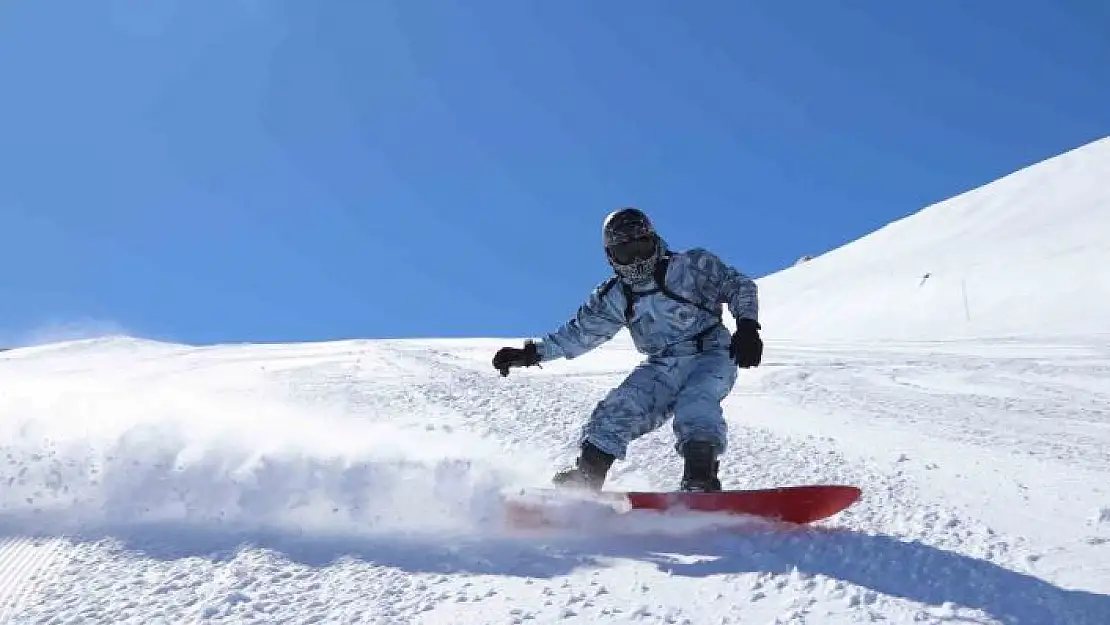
(508, 357)
(746, 348)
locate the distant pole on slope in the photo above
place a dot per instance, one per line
(967, 309)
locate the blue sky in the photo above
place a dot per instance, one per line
(275, 170)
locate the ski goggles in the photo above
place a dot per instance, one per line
(633, 250)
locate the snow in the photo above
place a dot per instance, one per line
(360, 481)
(1024, 254)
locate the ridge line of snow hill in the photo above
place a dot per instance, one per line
(1012, 258)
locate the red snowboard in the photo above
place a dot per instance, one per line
(791, 504)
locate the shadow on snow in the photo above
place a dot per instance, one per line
(884, 564)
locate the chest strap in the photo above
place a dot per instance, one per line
(660, 275)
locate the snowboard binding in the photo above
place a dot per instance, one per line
(699, 473)
(589, 471)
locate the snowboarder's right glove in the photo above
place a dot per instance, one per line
(746, 348)
(508, 357)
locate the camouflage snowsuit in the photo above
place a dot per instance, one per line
(687, 372)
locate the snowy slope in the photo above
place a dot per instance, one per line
(359, 481)
(1025, 254)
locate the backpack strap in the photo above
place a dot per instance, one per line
(661, 282)
(660, 275)
(607, 285)
(630, 298)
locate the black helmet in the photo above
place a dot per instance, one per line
(631, 243)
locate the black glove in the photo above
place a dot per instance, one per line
(746, 347)
(508, 357)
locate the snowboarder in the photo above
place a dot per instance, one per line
(671, 303)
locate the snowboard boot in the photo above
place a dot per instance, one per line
(589, 470)
(700, 471)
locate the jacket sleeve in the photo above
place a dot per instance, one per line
(732, 287)
(597, 321)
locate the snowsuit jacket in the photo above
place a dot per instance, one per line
(660, 325)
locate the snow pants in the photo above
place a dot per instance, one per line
(689, 388)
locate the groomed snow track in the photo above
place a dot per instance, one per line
(357, 482)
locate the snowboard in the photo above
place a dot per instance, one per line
(797, 505)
